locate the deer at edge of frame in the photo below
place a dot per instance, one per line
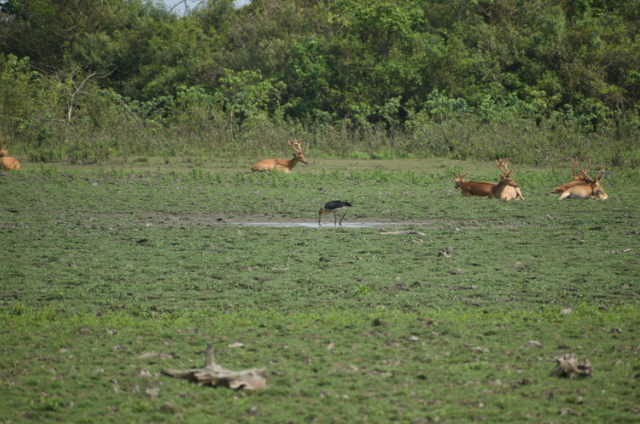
(8, 162)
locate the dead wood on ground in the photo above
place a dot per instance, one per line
(214, 374)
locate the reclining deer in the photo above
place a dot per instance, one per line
(579, 178)
(505, 189)
(8, 162)
(588, 189)
(282, 165)
(473, 188)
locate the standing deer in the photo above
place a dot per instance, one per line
(283, 165)
(579, 178)
(506, 189)
(586, 190)
(7, 162)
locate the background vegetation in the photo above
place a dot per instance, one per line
(536, 80)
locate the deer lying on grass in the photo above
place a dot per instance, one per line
(579, 178)
(282, 165)
(473, 188)
(507, 188)
(7, 162)
(586, 190)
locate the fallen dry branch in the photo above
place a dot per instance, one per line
(215, 375)
(570, 366)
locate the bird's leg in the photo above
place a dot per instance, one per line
(335, 219)
(319, 218)
(343, 215)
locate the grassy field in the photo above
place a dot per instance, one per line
(452, 311)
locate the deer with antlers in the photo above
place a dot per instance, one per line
(591, 189)
(507, 188)
(283, 165)
(579, 178)
(7, 162)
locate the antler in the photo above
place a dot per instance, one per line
(296, 145)
(601, 174)
(584, 173)
(503, 166)
(575, 163)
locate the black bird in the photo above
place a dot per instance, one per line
(333, 207)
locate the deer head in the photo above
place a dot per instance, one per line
(505, 173)
(596, 186)
(459, 180)
(583, 175)
(298, 150)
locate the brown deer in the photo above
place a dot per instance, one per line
(579, 178)
(282, 165)
(506, 189)
(586, 190)
(473, 188)
(8, 162)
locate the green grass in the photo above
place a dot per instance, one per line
(102, 264)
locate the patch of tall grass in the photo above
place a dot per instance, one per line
(522, 141)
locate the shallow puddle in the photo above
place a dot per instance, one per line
(291, 224)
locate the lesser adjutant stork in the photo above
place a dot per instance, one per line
(334, 207)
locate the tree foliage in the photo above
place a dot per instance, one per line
(372, 64)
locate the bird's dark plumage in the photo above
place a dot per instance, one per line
(336, 204)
